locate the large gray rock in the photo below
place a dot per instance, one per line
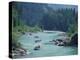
(62, 41)
(74, 39)
(37, 47)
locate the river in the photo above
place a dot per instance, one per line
(28, 42)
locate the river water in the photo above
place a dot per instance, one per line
(28, 42)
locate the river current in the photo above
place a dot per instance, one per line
(28, 42)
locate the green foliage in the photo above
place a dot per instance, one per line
(72, 29)
(15, 36)
(35, 29)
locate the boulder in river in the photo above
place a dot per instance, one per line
(60, 43)
(23, 32)
(36, 37)
(30, 34)
(37, 47)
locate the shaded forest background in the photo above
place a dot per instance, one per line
(44, 16)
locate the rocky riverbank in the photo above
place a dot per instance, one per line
(74, 39)
(19, 52)
(67, 41)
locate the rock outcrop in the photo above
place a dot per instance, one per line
(18, 52)
(74, 39)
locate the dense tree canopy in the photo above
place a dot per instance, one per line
(32, 17)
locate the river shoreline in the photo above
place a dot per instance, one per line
(28, 42)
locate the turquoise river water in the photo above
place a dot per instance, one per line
(28, 42)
